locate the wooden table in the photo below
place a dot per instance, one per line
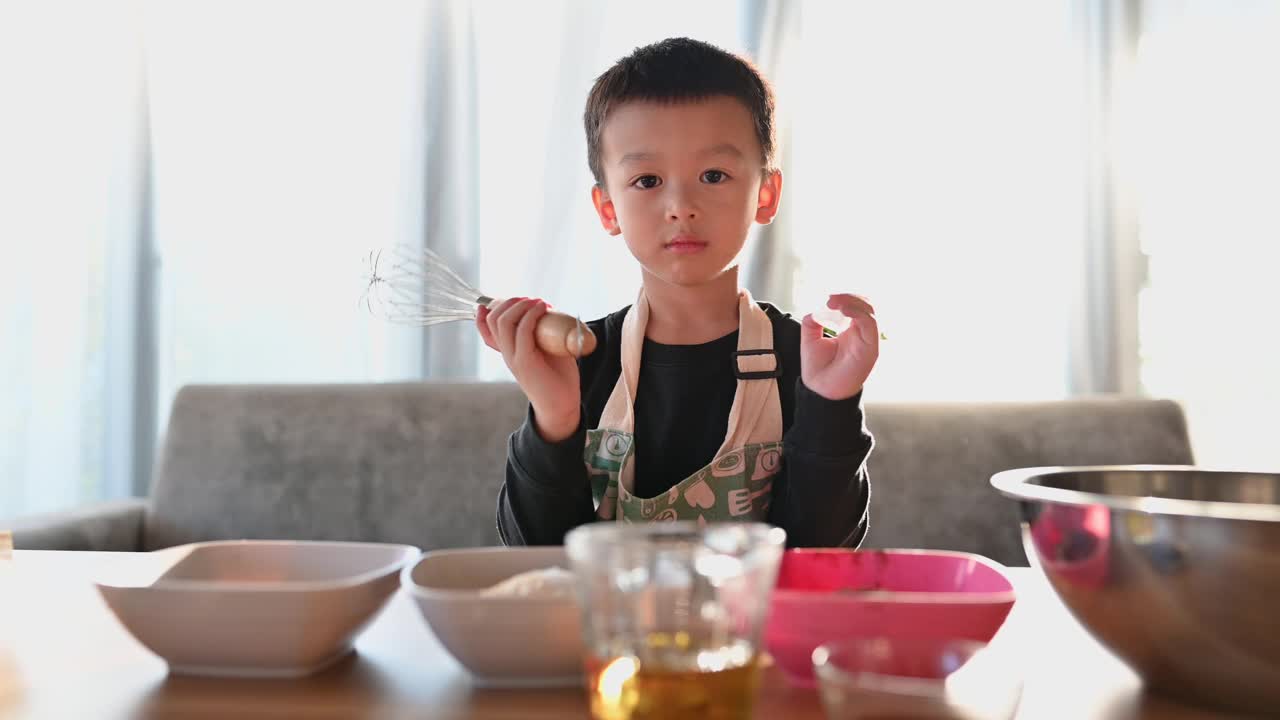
(63, 655)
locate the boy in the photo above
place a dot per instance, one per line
(698, 403)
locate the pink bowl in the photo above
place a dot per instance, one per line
(831, 594)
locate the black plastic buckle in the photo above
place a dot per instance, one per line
(776, 372)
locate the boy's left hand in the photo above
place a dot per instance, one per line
(837, 367)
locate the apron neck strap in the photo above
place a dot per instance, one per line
(755, 364)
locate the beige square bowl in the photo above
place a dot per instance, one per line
(502, 641)
(254, 608)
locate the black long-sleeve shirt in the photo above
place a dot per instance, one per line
(685, 392)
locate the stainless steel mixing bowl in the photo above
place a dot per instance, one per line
(1175, 569)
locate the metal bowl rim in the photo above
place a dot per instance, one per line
(1016, 483)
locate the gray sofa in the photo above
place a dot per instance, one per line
(422, 463)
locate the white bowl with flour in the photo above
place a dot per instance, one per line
(508, 615)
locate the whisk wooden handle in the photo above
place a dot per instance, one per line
(560, 334)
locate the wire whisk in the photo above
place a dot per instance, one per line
(414, 286)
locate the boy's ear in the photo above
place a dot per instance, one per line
(769, 197)
(604, 208)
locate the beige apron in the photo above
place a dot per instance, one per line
(737, 483)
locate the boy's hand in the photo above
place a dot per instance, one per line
(837, 367)
(550, 382)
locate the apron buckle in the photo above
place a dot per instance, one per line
(741, 374)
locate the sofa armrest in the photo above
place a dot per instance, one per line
(114, 525)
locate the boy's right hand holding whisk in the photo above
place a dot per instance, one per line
(549, 381)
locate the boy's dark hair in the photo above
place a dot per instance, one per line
(679, 70)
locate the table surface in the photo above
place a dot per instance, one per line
(63, 654)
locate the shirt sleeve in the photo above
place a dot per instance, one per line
(821, 496)
(546, 492)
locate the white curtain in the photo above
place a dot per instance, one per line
(451, 192)
(207, 220)
(72, 213)
(936, 170)
(288, 143)
(771, 31)
(1203, 138)
(1104, 347)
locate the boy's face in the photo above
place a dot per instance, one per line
(683, 184)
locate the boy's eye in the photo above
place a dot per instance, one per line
(647, 182)
(713, 177)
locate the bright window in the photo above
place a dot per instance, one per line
(1206, 157)
(937, 172)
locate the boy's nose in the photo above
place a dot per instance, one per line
(681, 207)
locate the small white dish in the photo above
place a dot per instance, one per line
(254, 608)
(502, 641)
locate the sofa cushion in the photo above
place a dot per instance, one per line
(417, 463)
(107, 526)
(422, 463)
(932, 464)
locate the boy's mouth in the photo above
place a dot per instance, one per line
(684, 244)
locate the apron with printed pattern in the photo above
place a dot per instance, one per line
(738, 482)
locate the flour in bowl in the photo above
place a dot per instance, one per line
(552, 582)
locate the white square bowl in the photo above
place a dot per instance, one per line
(254, 608)
(503, 641)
